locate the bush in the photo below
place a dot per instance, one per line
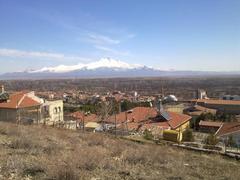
(3, 130)
(188, 135)
(211, 140)
(231, 142)
(67, 173)
(147, 135)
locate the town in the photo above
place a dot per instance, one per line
(200, 122)
(119, 90)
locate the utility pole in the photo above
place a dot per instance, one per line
(126, 121)
(115, 124)
(84, 122)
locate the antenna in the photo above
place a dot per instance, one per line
(162, 92)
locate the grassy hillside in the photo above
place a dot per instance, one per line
(31, 152)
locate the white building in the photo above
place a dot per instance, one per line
(201, 94)
(52, 112)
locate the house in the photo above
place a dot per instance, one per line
(26, 107)
(82, 119)
(52, 112)
(229, 131)
(21, 106)
(197, 110)
(141, 118)
(222, 106)
(86, 117)
(209, 126)
(175, 107)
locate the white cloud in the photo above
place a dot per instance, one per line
(36, 54)
(130, 36)
(101, 39)
(116, 52)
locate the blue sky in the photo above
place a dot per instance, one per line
(168, 34)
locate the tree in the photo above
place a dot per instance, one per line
(211, 140)
(230, 141)
(104, 110)
(188, 135)
(147, 135)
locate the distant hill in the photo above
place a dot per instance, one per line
(105, 67)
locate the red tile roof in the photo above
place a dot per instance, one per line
(228, 128)
(177, 119)
(19, 100)
(210, 124)
(147, 117)
(137, 114)
(87, 118)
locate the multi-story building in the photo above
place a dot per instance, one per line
(26, 107)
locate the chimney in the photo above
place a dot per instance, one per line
(2, 89)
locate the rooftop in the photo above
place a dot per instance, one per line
(80, 116)
(19, 100)
(149, 117)
(217, 101)
(228, 128)
(210, 123)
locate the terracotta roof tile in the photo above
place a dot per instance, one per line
(228, 128)
(87, 118)
(147, 117)
(210, 123)
(19, 100)
(137, 114)
(177, 119)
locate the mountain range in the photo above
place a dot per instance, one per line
(105, 67)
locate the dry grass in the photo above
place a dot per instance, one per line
(31, 152)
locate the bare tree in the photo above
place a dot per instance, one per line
(104, 112)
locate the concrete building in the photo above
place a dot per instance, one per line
(222, 106)
(26, 107)
(52, 112)
(201, 94)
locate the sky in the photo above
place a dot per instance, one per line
(168, 34)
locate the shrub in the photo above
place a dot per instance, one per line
(3, 130)
(147, 135)
(67, 173)
(188, 135)
(211, 140)
(231, 142)
(21, 143)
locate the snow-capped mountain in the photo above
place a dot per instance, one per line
(105, 67)
(102, 63)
